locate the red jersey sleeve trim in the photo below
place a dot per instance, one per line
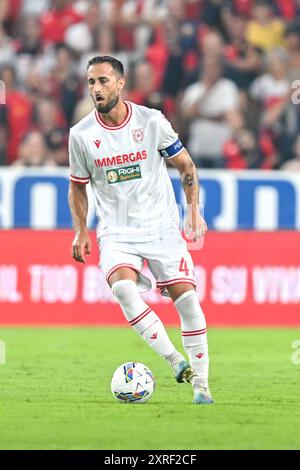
(77, 179)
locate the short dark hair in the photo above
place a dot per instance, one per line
(115, 63)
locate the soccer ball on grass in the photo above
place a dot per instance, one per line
(132, 382)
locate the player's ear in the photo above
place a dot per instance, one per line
(122, 82)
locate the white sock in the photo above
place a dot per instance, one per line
(194, 335)
(142, 318)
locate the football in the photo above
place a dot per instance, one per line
(132, 382)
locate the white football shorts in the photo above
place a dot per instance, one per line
(168, 259)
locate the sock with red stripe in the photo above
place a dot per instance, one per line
(142, 318)
(194, 335)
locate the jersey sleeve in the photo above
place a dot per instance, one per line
(169, 144)
(78, 170)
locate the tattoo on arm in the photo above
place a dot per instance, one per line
(188, 180)
(189, 176)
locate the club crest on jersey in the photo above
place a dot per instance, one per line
(138, 135)
(97, 143)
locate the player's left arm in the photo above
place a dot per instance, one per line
(194, 223)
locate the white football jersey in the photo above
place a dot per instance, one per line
(126, 167)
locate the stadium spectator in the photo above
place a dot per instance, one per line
(277, 115)
(109, 9)
(9, 14)
(245, 151)
(157, 55)
(35, 84)
(29, 36)
(271, 88)
(212, 108)
(242, 60)
(143, 83)
(241, 7)
(144, 92)
(34, 8)
(211, 14)
(182, 42)
(56, 20)
(174, 51)
(84, 30)
(138, 21)
(212, 44)
(57, 150)
(4, 5)
(49, 43)
(17, 117)
(49, 119)
(27, 45)
(32, 150)
(292, 45)
(82, 108)
(104, 43)
(173, 74)
(264, 30)
(288, 9)
(64, 86)
(7, 51)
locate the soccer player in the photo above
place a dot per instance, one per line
(121, 149)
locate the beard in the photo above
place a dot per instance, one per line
(103, 109)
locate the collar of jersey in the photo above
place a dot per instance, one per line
(122, 124)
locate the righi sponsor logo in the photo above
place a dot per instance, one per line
(121, 159)
(119, 175)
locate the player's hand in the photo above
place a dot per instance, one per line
(195, 225)
(81, 246)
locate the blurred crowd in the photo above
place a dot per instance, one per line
(225, 73)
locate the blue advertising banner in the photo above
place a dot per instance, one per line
(242, 200)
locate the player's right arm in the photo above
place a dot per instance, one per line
(78, 200)
(78, 203)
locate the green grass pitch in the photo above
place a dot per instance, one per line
(55, 392)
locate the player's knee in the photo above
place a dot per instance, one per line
(189, 307)
(189, 293)
(123, 290)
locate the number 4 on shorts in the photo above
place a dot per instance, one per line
(183, 267)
